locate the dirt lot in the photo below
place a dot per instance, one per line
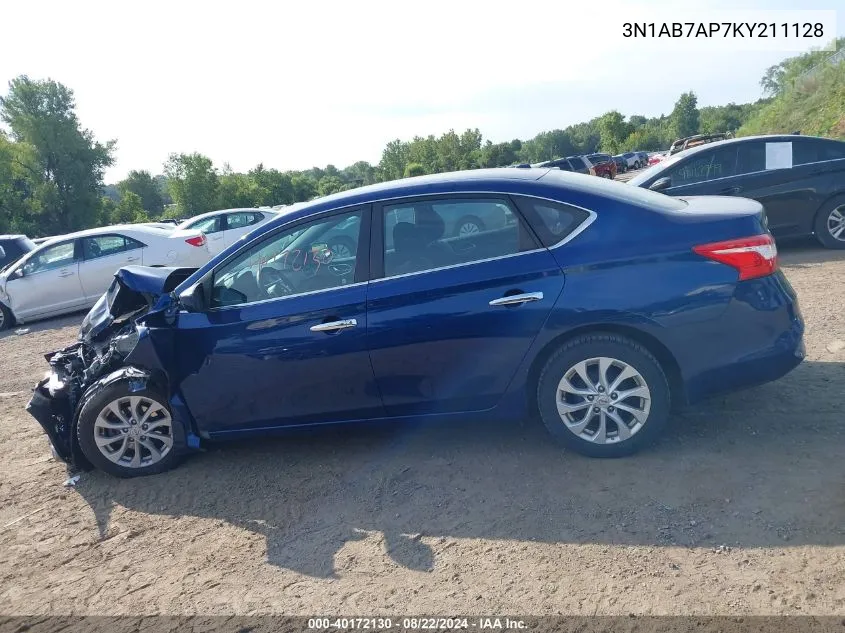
(739, 510)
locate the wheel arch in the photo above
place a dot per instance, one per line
(664, 356)
(831, 200)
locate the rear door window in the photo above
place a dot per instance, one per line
(805, 151)
(436, 233)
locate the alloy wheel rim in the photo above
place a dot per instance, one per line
(2, 319)
(468, 228)
(603, 400)
(134, 431)
(836, 223)
(341, 251)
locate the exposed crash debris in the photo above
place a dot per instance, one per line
(71, 481)
(108, 339)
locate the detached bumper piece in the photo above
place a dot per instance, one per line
(54, 412)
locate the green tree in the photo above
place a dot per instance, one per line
(70, 163)
(129, 209)
(782, 76)
(684, 118)
(394, 157)
(274, 186)
(304, 188)
(20, 180)
(329, 185)
(237, 191)
(192, 182)
(414, 169)
(613, 131)
(142, 184)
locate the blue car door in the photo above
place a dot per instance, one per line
(284, 341)
(460, 288)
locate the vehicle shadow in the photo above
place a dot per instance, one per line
(755, 469)
(55, 323)
(806, 252)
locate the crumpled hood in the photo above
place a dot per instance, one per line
(134, 291)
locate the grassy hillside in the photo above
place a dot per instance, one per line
(814, 106)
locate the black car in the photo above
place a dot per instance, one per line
(13, 247)
(800, 180)
(621, 164)
(579, 165)
(558, 163)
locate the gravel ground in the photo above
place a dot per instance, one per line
(739, 510)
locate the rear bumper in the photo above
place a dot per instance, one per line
(764, 340)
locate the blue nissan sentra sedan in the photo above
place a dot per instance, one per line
(597, 305)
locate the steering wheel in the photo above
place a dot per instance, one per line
(269, 278)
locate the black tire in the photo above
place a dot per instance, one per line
(615, 347)
(7, 319)
(86, 432)
(821, 227)
(468, 219)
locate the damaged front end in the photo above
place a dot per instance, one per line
(108, 349)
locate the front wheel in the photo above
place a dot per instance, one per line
(129, 433)
(7, 320)
(603, 395)
(830, 225)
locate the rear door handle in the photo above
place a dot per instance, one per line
(66, 273)
(512, 300)
(731, 190)
(334, 326)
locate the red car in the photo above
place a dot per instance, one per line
(603, 165)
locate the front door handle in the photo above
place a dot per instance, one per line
(731, 190)
(131, 259)
(334, 326)
(513, 300)
(66, 273)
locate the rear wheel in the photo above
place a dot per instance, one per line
(6, 318)
(129, 433)
(830, 225)
(342, 248)
(467, 226)
(603, 395)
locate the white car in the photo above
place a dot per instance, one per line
(71, 272)
(223, 228)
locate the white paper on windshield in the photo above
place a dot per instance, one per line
(779, 155)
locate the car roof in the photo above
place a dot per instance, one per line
(745, 139)
(102, 230)
(12, 237)
(211, 214)
(480, 180)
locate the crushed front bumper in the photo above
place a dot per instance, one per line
(54, 412)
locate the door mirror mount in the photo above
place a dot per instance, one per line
(661, 183)
(193, 299)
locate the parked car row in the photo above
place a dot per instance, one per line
(70, 272)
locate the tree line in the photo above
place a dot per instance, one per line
(51, 168)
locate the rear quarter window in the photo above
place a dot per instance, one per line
(551, 221)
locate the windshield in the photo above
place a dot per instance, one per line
(655, 169)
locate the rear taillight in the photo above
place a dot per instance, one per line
(752, 256)
(199, 240)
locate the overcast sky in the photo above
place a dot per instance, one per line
(294, 84)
